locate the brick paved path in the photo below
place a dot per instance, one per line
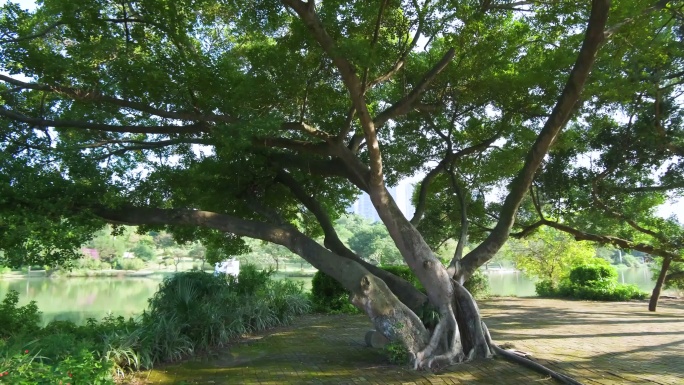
(597, 343)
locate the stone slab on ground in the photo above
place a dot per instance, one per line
(375, 339)
(595, 342)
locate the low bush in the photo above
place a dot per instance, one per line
(87, 262)
(211, 310)
(591, 282)
(329, 296)
(478, 285)
(397, 353)
(83, 367)
(129, 264)
(593, 275)
(546, 288)
(17, 319)
(406, 273)
(611, 292)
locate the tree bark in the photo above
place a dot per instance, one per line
(653, 303)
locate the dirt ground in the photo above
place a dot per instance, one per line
(594, 342)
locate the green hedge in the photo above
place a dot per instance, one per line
(590, 282)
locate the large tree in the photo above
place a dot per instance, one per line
(219, 120)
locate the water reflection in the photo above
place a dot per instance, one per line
(510, 283)
(77, 299)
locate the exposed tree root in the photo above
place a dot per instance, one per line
(446, 339)
(526, 362)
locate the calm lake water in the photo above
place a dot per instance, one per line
(78, 299)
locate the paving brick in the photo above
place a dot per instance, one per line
(595, 342)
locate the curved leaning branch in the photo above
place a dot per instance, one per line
(593, 39)
(348, 272)
(615, 241)
(369, 293)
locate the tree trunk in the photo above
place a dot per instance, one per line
(653, 303)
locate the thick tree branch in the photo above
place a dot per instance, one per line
(406, 292)
(161, 129)
(610, 240)
(655, 188)
(334, 168)
(527, 230)
(345, 270)
(295, 145)
(448, 160)
(615, 214)
(560, 115)
(406, 103)
(92, 96)
(674, 276)
(139, 146)
(352, 83)
(354, 277)
(161, 143)
(463, 238)
(374, 39)
(399, 64)
(307, 129)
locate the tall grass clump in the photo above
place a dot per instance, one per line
(196, 311)
(191, 312)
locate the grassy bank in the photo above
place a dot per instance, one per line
(192, 312)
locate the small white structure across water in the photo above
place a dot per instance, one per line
(230, 267)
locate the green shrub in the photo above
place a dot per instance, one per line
(478, 285)
(591, 282)
(613, 292)
(593, 275)
(87, 263)
(406, 273)
(397, 353)
(144, 251)
(250, 280)
(129, 264)
(191, 312)
(546, 288)
(16, 320)
(329, 296)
